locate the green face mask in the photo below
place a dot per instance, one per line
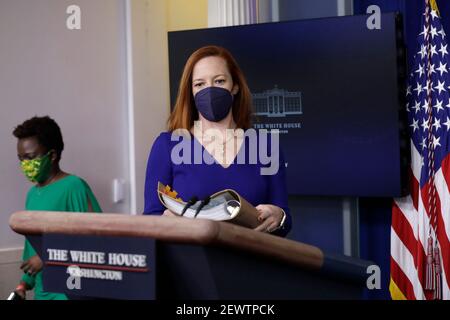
(37, 170)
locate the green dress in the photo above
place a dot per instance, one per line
(70, 193)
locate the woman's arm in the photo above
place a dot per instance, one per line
(27, 278)
(275, 215)
(159, 169)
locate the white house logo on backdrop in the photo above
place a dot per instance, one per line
(277, 109)
(277, 103)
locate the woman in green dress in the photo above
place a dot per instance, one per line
(39, 146)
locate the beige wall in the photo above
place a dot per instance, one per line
(10, 273)
(151, 20)
(187, 14)
(77, 78)
(101, 94)
(151, 82)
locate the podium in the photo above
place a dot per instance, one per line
(155, 257)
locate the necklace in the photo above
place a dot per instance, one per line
(220, 146)
(223, 144)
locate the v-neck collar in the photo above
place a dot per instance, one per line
(195, 140)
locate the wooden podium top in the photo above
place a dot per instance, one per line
(168, 229)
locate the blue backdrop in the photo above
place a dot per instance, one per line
(375, 214)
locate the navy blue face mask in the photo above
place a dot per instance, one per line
(214, 103)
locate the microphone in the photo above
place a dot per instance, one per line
(14, 296)
(191, 202)
(200, 207)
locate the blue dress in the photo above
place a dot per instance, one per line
(202, 180)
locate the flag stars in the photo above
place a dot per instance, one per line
(436, 142)
(424, 32)
(438, 105)
(447, 124)
(432, 69)
(423, 51)
(419, 88)
(443, 50)
(425, 124)
(442, 68)
(433, 51)
(440, 87)
(429, 87)
(433, 32)
(434, 14)
(416, 106)
(421, 70)
(408, 91)
(437, 124)
(415, 125)
(423, 144)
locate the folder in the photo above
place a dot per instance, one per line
(226, 205)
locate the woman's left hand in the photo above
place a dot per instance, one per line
(270, 217)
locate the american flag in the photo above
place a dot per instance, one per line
(420, 231)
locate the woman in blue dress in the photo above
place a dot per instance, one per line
(212, 117)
